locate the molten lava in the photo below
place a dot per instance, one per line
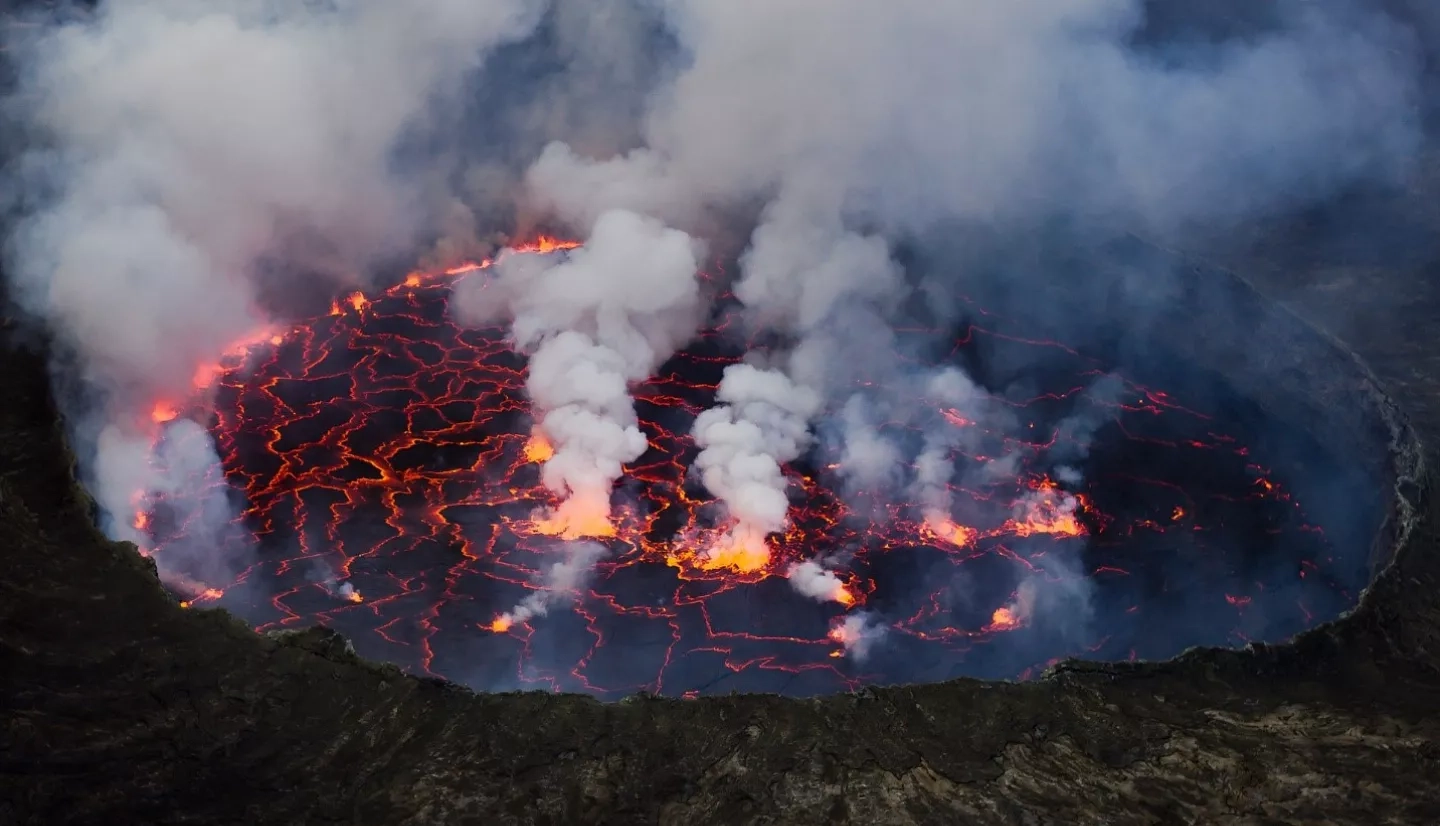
(1003, 619)
(538, 449)
(381, 449)
(578, 517)
(739, 550)
(944, 529)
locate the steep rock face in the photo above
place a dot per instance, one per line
(124, 708)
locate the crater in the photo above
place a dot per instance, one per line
(1150, 470)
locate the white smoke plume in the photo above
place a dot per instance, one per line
(965, 405)
(188, 144)
(858, 633)
(1076, 433)
(913, 111)
(558, 585)
(1059, 600)
(868, 460)
(761, 422)
(182, 470)
(814, 580)
(594, 321)
(854, 121)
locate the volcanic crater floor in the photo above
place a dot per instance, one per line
(125, 707)
(386, 475)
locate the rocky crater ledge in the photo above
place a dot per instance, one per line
(121, 707)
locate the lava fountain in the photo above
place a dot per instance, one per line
(385, 466)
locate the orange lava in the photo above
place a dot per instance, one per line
(208, 595)
(1058, 524)
(538, 449)
(163, 412)
(741, 550)
(945, 529)
(206, 375)
(1004, 619)
(500, 625)
(953, 417)
(579, 517)
(355, 301)
(546, 244)
(1048, 511)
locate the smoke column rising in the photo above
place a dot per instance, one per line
(559, 584)
(594, 323)
(760, 422)
(853, 122)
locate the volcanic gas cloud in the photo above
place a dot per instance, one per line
(728, 437)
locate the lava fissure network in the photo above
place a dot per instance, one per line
(384, 466)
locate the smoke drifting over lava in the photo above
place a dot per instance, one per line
(194, 170)
(394, 488)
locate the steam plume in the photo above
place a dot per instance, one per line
(1029, 109)
(761, 422)
(186, 148)
(818, 583)
(557, 585)
(858, 633)
(966, 404)
(1076, 432)
(594, 323)
(868, 460)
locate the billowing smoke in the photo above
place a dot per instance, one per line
(1058, 601)
(185, 151)
(1076, 432)
(869, 461)
(855, 123)
(171, 469)
(557, 585)
(761, 422)
(963, 405)
(817, 582)
(858, 633)
(847, 114)
(594, 322)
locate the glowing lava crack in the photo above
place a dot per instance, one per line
(385, 467)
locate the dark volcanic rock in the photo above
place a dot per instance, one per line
(121, 707)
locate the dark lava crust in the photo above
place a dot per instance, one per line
(122, 708)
